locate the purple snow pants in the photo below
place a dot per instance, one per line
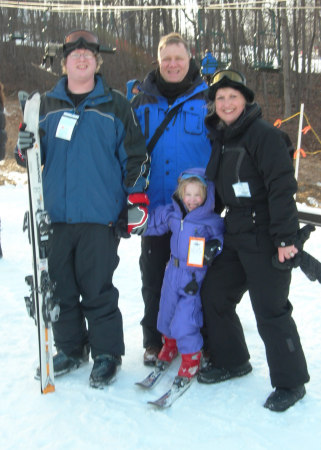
(180, 314)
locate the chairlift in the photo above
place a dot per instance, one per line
(269, 59)
(220, 51)
(17, 36)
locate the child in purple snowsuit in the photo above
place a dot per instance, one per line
(190, 215)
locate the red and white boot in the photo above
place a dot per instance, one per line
(169, 350)
(190, 364)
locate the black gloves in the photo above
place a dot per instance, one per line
(310, 266)
(133, 219)
(212, 247)
(26, 139)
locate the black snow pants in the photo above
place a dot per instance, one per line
(245, 264)
(82, 261)
(155, 253)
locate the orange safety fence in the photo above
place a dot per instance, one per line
(305, 130)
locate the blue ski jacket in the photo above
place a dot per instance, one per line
(184, 142)
(88, 177)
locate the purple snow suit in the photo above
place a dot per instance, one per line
(180, 314)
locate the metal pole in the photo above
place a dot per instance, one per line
(299, 142)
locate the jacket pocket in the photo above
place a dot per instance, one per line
(193, 122)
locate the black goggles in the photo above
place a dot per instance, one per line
(87, 36)
(80, 39)
(232, 75)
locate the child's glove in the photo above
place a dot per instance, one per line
(212, 247)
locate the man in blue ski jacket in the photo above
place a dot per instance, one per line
(174, 85)
(94, 158)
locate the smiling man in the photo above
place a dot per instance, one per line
(94, 158)
(173, 92)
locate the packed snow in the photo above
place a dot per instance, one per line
(225, 416)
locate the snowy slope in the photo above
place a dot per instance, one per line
(225, 416)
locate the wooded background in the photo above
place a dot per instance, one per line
(277, 44)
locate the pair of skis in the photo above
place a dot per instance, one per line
(178, 387)
(41, 303)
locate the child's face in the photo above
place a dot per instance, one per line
(193, 196)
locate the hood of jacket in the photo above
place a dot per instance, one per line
(250, 113)
(149, 87)
(100, 94)
(129, 86)
(208, 206)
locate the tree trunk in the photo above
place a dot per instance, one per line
(286, 62)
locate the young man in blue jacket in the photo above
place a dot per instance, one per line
(175, 84)
(90, 175)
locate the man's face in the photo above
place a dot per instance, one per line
(81, 65)
(173, 62)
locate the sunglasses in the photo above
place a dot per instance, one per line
(87, 36)
(232, 75)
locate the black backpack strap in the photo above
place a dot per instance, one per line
(159, 131)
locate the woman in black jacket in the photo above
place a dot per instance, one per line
(3, 138)
(254, 179)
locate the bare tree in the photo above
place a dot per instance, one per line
(286, 62)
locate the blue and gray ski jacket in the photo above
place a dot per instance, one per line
(88, 178)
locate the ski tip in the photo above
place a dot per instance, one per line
(48, 389)
(159, 405)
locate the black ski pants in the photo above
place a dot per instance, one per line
(155, 253)
(82, 261)
(245, 264)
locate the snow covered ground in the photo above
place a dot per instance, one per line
(226, 416)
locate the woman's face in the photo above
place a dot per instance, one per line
(229, 104)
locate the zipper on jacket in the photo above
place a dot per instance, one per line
(146, 113)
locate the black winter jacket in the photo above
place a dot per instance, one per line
(253, 172)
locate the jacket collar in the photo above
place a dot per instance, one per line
(251, 112)
(101, 92)
(149, 87)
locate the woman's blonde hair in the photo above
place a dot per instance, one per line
(182, 183)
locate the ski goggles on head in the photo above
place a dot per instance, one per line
(230, 78)
(232, 75)
(80, 39)
(186, 176)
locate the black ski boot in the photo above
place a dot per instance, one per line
(281, 399)
(104, 370)
(211, 374)
(63, 364)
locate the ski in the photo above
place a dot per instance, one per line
(41, 304)
(155, 376)
(179, 386)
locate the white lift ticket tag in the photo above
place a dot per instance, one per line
(66, 126)
(242, 189)
(196, 251)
